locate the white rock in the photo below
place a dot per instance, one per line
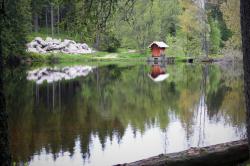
(85, 46)
(38, 45)
(30, 49)
(40, 50)
(40, 41)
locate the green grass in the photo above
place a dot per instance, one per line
(121, 56)
(120, 63)
(181, 58)
(97, 56)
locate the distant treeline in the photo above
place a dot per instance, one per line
(190, 28)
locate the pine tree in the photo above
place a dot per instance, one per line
(15, 28)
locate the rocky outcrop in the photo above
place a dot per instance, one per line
(38, 45)
(55, 74)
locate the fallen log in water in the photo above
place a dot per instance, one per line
(230, 153)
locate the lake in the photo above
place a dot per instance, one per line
(104, 114)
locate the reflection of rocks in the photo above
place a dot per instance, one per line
(56, 74)
(38, 45)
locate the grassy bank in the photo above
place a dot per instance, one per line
(97, 56)
(122, 54)
(104, 56)
(94, 57)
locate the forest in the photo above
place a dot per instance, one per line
(81, 110)
(190, 27)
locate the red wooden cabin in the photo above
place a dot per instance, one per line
(158, 48)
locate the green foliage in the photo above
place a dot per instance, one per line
(215, 36)
(190, 28)
(150, 20)
(43, 33)
(175, 43)
(231, 15)
(109, 43)
(192, 47)
(214, 12)
(108, 25)
(15, 26)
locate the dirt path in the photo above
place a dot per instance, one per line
(108, 56)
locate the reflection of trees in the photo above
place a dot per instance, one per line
(104, 103)
(216, 90)
(220, 97)
(5, 156)
(225, 95)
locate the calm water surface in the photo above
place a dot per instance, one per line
(110, 114)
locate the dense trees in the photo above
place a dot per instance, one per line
(149, 21)
(5, 156)
(231, 15)
(192, 27)
(15, 26)
(215, 36)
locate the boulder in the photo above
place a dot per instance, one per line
(31, 49)
(85, 46)
(40, 50)
(40, 41)
(39, 45)
(32, 44)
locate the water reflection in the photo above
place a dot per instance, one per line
(5, 156)
(50, 74)
(158, 72)
(116, 114)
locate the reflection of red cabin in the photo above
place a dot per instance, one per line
(158, 73)
(158, 48)
(156, 70)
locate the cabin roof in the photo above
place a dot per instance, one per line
(159, 44)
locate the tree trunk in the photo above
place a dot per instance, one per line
(229, 154)
(5, 156)
(186, 47)
(97, 41)
(58, 19)
(36, 26)
(52, 19)
(245, 32)
(46, 20)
